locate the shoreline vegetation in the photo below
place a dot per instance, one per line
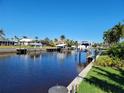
(107, 73)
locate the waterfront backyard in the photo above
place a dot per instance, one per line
(75, 44)
(103, 80)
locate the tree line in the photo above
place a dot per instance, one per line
(47, 41)
(113, 35)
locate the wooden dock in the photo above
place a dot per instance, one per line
(53, 49)
(26, 50)
(21, 51)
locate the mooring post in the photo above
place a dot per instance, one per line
(58, 89)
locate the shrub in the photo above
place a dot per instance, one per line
(117, 51)
(117, 62)
(105, 52)
(104, 61)
(108, 61)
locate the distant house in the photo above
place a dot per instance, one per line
(25, 41)
(36, 44)
(6, 42)
(61, 45)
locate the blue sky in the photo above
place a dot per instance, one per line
(76, 19)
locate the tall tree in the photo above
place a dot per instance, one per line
(62, 37)
(16, 38)
(25, 37)
(36, 38)
(47, 40)
(106, 37)
(113, 35)
(55, 40)
(119, 28)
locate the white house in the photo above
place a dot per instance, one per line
(25, 41)
(36, 44)
(61, 45)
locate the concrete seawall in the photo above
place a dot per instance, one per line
(73, 86)
(14, 50)
(7, 50)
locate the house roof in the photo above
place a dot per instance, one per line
(26, 40)
(61, 45)
(37, 44)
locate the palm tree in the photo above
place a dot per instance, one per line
(2, 33)
(55, 40)
(123, 31)
(36, 39)
(16, 37)
(113, 35)
(47, 40)
(119, 30)
(25, 37)
(76, 43)
(62, 37)
(106, 37)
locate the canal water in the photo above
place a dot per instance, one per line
(37, 72)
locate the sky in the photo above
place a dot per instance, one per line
(77, 19)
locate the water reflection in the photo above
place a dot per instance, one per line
(83, 59)
(36, 72)
(65, 54)
(35, 55)
(6, 55)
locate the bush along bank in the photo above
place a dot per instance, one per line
(109, 61)
(112, 57)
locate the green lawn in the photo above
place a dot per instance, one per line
(103, 80)
(45, 47)
(16, 47)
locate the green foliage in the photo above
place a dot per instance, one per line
(108, 61)
(70, 42)
(113, 35)
(2, 34)
(94, 45)
(51, 43)
(113, 57)
(104, 61)
(117, 51)
(62, 37)
(25, 37)
(55, 40)
(116, 62)
(104, 52)
(48, 42)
